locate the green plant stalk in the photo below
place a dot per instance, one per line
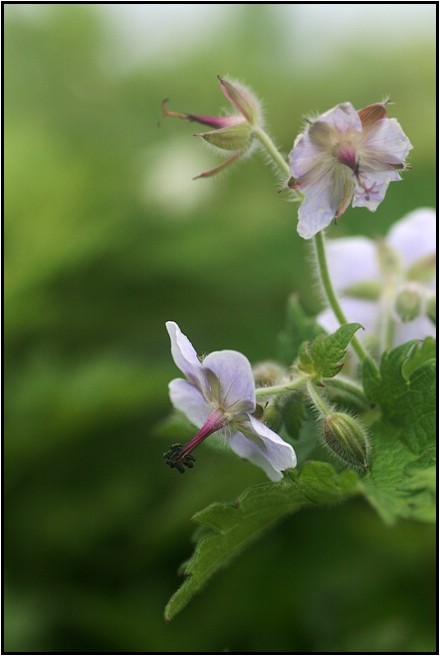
(319, 403)
(341, 383)
(321, 258)
(270, 147)
(330, 293)
(281, 389)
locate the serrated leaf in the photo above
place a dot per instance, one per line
(298, 328)
(229, 528)
(324, 357)
(421, 353)
(399, 485)
(407, 401)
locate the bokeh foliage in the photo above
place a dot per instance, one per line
(106, 238)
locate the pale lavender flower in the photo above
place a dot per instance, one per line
(218, 396)
(374, 278)
(345, 156)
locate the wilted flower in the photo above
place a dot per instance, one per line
(390, 280)
(345, 155)
(231, 133)
(218, 396)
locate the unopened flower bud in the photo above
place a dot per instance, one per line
(268, 373)
(273, 417)
(347, 440)
(408, 304)
(389, 260)
(431, 308)
(424, 269)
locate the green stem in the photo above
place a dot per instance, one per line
(348, 388)
(273, 151)
(281, 389)
(331, 295)
(318, 401)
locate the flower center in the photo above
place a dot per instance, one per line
(346, 154)
(178, 456)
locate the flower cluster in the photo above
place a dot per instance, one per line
(392, 279)
(344, 156)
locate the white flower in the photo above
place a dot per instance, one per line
(373, 277)
(345, 155)
(218, 395)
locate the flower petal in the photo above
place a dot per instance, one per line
(324, 200)
(385, 143)
(264, 448)
(342, 118)
(234, 374)
(418, 329)
(371, 187)
(414, 236)
(352, 260)
(187, 398)
(184, 354)
(355, 310)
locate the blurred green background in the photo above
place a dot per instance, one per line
(106, 238)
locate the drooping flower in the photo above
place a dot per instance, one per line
(233, 133)
(345, 156)
(218, 396)
(389, 284)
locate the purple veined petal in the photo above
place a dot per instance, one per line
(187, 398)
(263, 448)
(352, 260)
(371, 187)
(385, 143)
(184, 354)
(356, 311)
(324, 200)
(414, 236)
(234, 373)
(342, 118)
(418, 329)
(308, 161)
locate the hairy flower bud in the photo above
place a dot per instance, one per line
(347, 440)
(272, 417)
(268, 373)
(431, 308)
(408, 304)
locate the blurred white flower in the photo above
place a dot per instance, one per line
(388, 282)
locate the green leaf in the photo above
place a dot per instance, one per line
(405, 390)
(324, 357)
(227, 528)
(421, 353)
(399, 485)
(298, 328)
